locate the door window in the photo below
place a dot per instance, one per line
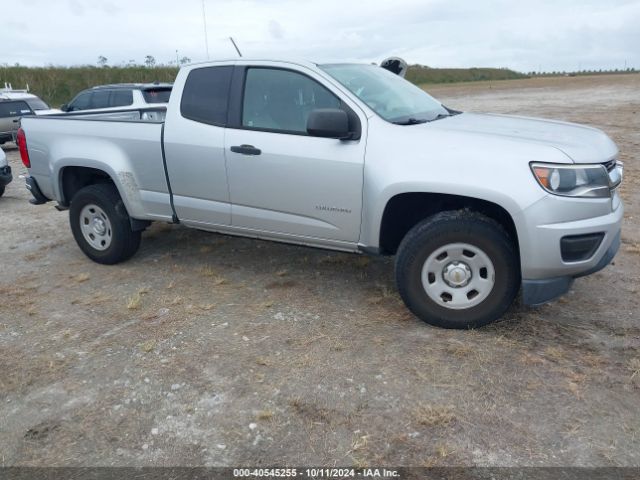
(81, 102)
(100, 99)
(281, 100)
(121, 98)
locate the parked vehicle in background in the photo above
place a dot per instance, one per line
(476, 207)
(121, 96)
(15, 104)
(5, 172)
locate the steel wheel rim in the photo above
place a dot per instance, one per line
(96, 227)
(458, 276)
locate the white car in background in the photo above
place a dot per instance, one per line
(118, 99)
(15, 104)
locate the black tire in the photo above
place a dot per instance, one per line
(447, 228)
(2, 187)
(123, 241)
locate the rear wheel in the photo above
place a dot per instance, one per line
(100, 224)
(457, 270)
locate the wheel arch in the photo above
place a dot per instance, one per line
(404, 210)
(74, 176)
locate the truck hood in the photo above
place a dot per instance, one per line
(580, 143)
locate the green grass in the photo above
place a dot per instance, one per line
(419, 74)
(58, 85)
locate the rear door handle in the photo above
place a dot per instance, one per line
(246, 150)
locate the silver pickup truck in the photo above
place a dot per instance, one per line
(348, 157)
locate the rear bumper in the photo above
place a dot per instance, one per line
(537, 292)
(5, 176)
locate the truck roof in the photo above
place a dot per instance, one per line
(299, 61)
(136, 86)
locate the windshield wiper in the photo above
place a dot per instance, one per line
(440, 116)
(411, 121)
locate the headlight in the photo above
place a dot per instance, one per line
(588, 181)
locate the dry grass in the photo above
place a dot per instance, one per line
(444, 451)
(634, 367)
(361, 261)
(335, 259)
(434, 415)
(134, 301)
(81, 278)
(555, 353)
(633, 248)
(459, 350)
(148, 346)
(359, 442)
(264, 415)
(207, 271)
(219, 280)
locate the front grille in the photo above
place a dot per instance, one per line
(610, 165)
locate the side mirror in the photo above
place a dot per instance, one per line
(64, 107)
(328, 123)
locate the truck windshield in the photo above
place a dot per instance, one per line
(390, 96)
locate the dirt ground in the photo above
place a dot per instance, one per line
(213, 350)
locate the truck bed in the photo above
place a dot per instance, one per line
(126, 144)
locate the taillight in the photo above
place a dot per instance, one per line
(21, 140)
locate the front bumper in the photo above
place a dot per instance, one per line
(5, 175)
(537, 292)
(545, 274)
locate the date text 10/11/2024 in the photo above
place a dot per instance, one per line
(316, 473)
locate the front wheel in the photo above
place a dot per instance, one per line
(457, 269)
(100, 225)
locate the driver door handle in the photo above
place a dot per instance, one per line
(246, 150)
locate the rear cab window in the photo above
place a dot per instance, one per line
(205, 97)
(157, 95)
(14, 109)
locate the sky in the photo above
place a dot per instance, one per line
(547, 35)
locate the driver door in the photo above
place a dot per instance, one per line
(282, 181)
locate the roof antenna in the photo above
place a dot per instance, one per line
(206, 34)
(235, 46)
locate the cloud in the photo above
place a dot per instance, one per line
(547, 34)
(275, 30)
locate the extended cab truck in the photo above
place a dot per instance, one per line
(345, 157)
